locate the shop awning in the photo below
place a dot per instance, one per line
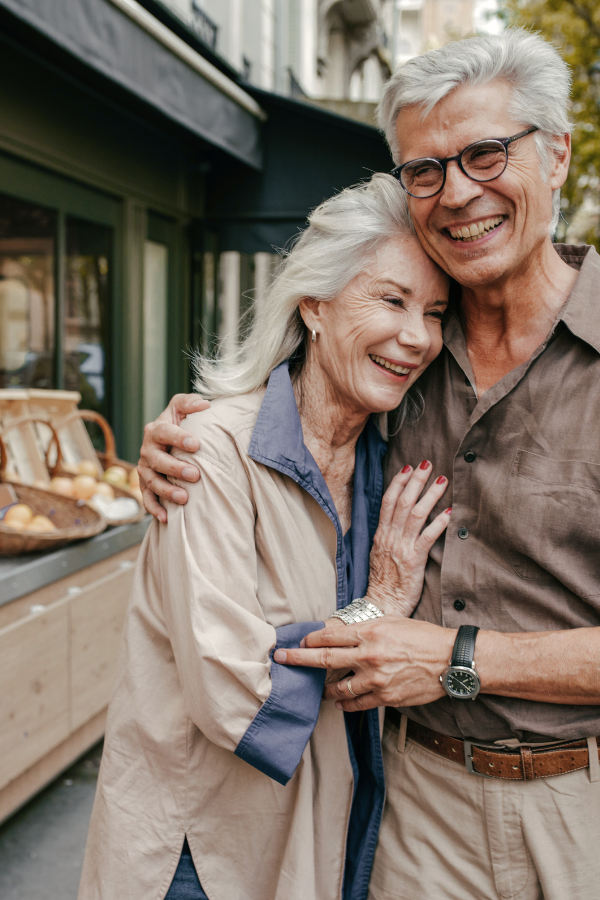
(309, 154)
(122, 41)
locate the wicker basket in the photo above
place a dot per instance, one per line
(74, 520)
(107, 458)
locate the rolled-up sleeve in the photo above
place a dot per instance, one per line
(222, 644)
(275, 741)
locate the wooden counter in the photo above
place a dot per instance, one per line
(61, 618)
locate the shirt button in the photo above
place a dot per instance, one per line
(470, 456)
(463, 533)
(459, 605)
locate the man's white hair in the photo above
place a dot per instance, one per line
(342, 234)
(540, 80)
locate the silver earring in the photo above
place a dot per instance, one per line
(314, 335)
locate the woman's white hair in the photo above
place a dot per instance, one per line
(343, 232)
(539, 77)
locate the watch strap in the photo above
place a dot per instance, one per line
(464, 646)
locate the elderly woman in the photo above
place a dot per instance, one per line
(224, 774)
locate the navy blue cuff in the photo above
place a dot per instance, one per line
(279, 732)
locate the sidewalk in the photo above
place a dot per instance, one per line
(42, 846)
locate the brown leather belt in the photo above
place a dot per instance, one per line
(520, 764)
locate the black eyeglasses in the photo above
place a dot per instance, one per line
(481, 161)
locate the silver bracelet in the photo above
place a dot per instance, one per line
(360, 610)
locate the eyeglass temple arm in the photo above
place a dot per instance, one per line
(521, 134)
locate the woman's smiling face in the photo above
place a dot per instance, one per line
(379, 334)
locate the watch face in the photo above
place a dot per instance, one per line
(462, 683)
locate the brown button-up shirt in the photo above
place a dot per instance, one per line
(522, 551)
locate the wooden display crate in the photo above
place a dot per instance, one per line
(58, 406)
(31, 450)
(26, 442)
(58, 655)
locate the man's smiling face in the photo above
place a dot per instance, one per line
(511, 214)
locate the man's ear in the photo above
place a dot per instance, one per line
(560, 161)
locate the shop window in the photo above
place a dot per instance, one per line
(87, 312)
(30, 342)
(229, 300)
(27, 303)
(156, 283)
(243, 280)
(205, 331)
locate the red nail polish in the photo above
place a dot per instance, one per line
(425, 464)
(448, 511)
(406, 469)
(440, 480)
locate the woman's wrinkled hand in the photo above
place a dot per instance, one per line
(155, 460)
(402, 543)
(335, 675)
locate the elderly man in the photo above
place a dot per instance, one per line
(492, 769)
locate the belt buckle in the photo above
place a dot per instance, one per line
(468, 746)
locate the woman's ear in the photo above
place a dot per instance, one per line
(310, 312)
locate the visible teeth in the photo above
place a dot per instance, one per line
(468, 233)
(399, 370)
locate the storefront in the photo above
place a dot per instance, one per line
(101, 176)
(126, 163)
(143, 196)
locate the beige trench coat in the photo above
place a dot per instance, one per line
(251, 551)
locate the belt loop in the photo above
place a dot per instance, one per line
(527, 763)
(594, 766)
(402, 734)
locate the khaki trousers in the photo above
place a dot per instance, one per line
(449, 835)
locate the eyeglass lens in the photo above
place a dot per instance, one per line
(482, 161)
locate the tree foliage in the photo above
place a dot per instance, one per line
(573, 26)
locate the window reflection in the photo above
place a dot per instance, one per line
(156, 274)
(243, 281)
(26, 294)
(87, 312)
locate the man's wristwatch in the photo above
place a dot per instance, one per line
(460, 680)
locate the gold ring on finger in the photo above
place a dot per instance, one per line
(349, 686)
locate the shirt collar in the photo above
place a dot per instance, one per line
(580, 313)
(277, 441)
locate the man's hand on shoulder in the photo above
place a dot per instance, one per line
(155, 460)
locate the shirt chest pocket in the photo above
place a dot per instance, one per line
(553, 521)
